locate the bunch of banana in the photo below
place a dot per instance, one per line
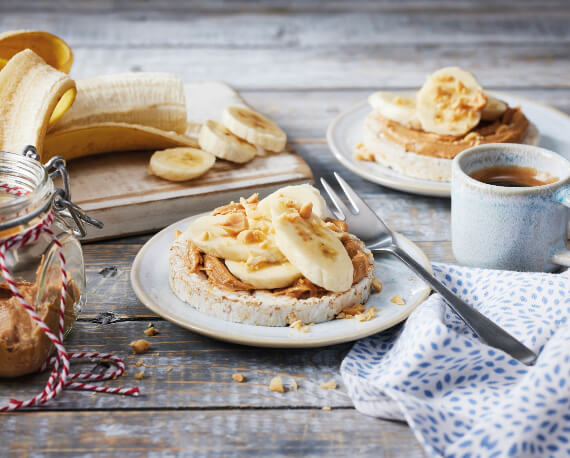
(277, 242)
(240, 134)
(451, 102)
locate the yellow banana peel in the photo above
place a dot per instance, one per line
(48, 46)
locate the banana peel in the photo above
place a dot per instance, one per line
(48, 46)
(110, 137)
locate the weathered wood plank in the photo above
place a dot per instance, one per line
(185, 29)
(184, 370)
(206, 433)
(525, 65)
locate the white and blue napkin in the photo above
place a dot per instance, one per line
(461, 397)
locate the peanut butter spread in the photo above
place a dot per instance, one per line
(511, 127)
(218, 274)
(23, 345)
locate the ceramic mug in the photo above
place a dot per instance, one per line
(510, 228)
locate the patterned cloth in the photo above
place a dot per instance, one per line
(461, 397)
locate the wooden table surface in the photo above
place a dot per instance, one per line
(301, 62)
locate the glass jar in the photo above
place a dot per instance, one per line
(28, 196)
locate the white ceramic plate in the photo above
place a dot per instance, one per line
(149, 278)
(347, 130)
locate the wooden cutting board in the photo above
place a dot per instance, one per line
(117, 189)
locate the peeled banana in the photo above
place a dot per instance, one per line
(180, 164)
(33, 94)
(254, 128)
(218, 140)
(450, 102)
(147, 99)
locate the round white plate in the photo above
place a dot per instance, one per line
(347, 130)
(149, 278)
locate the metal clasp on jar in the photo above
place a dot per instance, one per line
(62, 203)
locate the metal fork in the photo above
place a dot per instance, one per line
(370, 228)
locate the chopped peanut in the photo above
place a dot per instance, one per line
(139, 375)
(294, 385)
(177, 233)
(327, 408)
(238, 377)
(369, 315)
(151, 331)
(276, 385)
(306, 210)
(140, 346)
(398, 300)
(377, 284)
(330, 385)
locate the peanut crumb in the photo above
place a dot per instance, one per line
(140, 346)
(294, 385)
(352, 310)
(398, 300)
(327, 408)
(168, 369)
(364, 156)
(377, 284)
(253, 199)
(177, 233)
(306, 210)
(139, 363)
(410, 278)
(139, 375)
(276, 385)
(330, 385)
(298, 325)
(369, 315)
(151, 331)
(238, 377)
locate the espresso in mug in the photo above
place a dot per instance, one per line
(513, 176)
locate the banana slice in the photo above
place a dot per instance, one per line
(180, 164)
(494, 109)
(226, 237)
(311, 247)
(450, 102)
(267, 277)
(300, 194)
(254, 128)
(397, 106)
(218, 140)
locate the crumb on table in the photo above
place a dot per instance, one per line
(276, 384)
(238, 377)
(139, 375)
(327, 408)
(151, 331)
(140, 346)
(330, 385)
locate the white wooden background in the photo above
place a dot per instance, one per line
(301, 62)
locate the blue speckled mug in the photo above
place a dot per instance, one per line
(510, 228)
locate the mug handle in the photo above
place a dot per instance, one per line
(562, 197)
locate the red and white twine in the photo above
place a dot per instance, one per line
(60, 376)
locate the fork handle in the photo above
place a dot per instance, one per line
(489, 332)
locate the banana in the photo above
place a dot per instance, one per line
(221, 236)
(300, 194)
(180, 164)
(268, 276)
(254, 128)
(49, 47)
(218, 140)
(110, 137)
(450, 102)
(493, 109)
(311, 246)
(32, 95)
(397, 106)
(148, 99)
